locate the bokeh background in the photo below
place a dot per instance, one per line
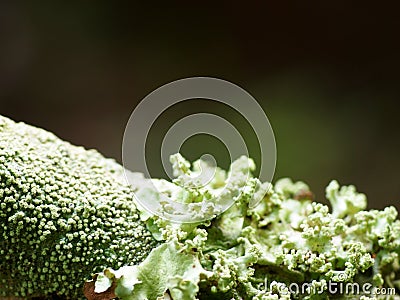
(326, 73)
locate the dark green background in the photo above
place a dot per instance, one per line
(326, 73)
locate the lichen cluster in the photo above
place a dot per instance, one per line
(285, 247)
(65, 213)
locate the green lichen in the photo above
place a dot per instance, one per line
(65, 213)
(284, 247)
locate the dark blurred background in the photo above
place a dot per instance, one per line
(326, 73)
